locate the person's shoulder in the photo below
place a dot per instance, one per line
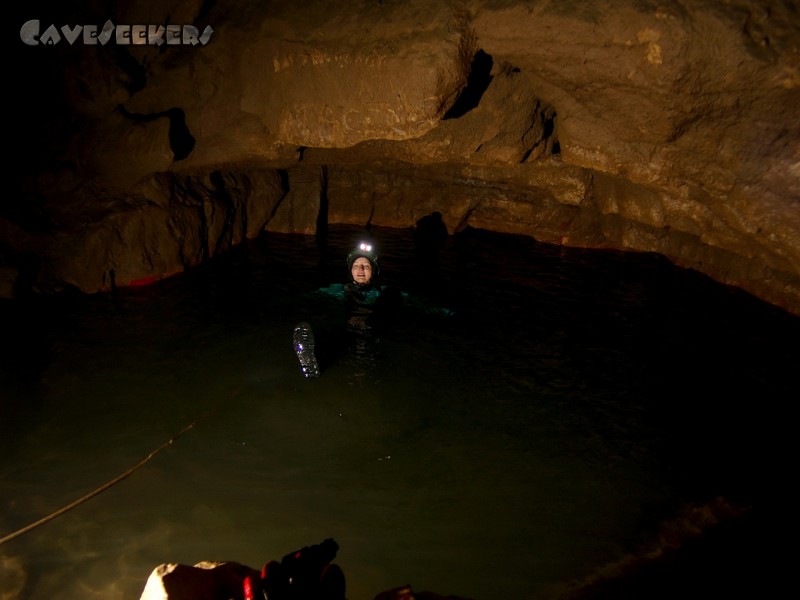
(336, 290)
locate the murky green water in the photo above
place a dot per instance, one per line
(573, 403)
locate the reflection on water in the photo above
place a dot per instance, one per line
(573, 404)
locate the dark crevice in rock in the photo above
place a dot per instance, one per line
(477, 83)
(110, 280)
(368, 224)
(549, 122)
(135, 71)
(527, 153)
(464, 222)
(430, 234)
(543, 130)
(181, 141)
(226, 238)
(322, 215)
(283, 174)
(203, 229)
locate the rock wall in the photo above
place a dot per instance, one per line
(667, 127)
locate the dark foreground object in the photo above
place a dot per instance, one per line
(723, 562)
(304, 574)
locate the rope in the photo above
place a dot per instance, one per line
(112, 482)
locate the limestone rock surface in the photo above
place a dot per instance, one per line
(668, 127)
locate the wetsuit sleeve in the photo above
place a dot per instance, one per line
(335, 291)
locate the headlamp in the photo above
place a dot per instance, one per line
(364, 249)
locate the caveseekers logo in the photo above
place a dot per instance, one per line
(123, 35)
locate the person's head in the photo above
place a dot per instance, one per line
(363, 263)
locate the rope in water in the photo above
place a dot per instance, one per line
(110, 483)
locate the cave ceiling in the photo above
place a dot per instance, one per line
(151, 136)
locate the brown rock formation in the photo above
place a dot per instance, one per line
(668, 127)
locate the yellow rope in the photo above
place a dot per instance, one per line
(108, 484)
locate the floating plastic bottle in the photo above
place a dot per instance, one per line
(303, 339)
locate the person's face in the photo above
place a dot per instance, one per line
(361, 270)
